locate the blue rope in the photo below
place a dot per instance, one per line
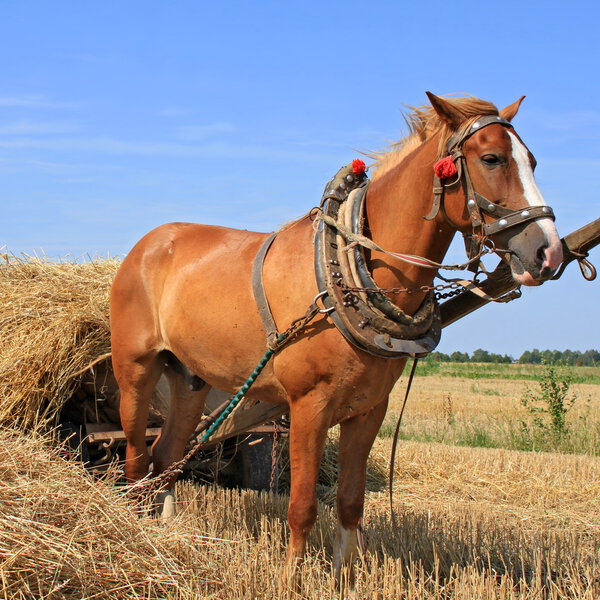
(243, 390)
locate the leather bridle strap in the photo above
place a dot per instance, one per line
(258, 288)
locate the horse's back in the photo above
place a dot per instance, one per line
(171, 251)
(182, 286)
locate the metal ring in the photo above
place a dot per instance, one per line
(489, 245)
(323, 311)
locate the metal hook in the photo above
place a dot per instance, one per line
(323, 311)
(587, 269)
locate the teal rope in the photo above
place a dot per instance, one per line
(244, 389)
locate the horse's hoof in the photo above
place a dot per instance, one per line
(165, 504)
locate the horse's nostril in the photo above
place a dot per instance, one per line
(541, 254)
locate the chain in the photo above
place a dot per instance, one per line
(296, 327)
(456, 287)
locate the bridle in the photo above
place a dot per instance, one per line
(477, 204)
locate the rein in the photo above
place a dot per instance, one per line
(395, 439)
(420, 261)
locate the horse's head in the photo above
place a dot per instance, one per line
(498, 198)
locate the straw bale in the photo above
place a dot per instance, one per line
(54, 322)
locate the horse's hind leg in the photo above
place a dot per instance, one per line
(137, 377)
(185, 411)
(356, 439)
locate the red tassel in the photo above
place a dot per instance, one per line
(358, 166)
(445, 168)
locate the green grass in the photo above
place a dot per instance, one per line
(502, 371)
(583, 437)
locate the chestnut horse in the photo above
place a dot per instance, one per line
(184, 293)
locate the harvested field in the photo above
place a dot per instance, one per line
(472, 523)
(487, 411)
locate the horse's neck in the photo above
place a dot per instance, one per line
(396, 204)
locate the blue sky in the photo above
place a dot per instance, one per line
(116, 117)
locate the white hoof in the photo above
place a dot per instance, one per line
(165, 504)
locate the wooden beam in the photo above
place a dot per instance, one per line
(501, 282)
(246, 417)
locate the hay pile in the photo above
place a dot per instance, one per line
(65, 535)
(54, 322)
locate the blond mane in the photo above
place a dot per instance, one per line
(423, 123)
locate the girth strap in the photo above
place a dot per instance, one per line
(258, 289)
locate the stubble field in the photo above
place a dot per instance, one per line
(472, 522)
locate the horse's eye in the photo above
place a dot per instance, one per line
(491, 159)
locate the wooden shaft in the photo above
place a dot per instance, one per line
(500, 281)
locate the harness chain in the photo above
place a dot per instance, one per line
(457, 287)
(274, 481)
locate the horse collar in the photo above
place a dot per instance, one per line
(368, 320)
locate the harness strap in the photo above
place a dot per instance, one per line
(438, 194)
(530, 213)
(260, 297)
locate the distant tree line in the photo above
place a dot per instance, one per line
(589, 358)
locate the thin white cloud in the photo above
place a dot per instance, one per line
(108, 145)
(201, 132)
(32, 101)
(85, 57)
(28, 127)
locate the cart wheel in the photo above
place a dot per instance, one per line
(256, 462)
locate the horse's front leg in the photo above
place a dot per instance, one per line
(310, 419)
(356, 439)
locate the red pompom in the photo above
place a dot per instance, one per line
(358, 166)
(445, 168)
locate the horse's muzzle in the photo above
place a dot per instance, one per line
(534, 256)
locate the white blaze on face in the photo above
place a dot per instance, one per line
(534, 197)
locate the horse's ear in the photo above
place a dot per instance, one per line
(445, 111)
(511, 110)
